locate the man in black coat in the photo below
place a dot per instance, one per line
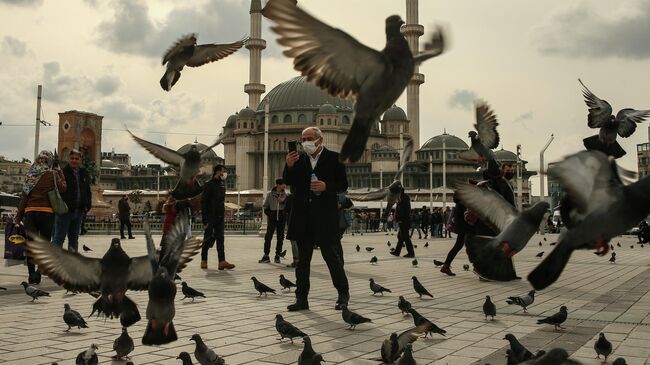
(213, 213)
(124, 214)
(315, 178)
(404, 221)
(78, 199)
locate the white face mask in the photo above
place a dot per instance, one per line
(309, 147)
(224, 176)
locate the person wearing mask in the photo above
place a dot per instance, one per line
(316, 177)
(124, 212)
(78, 199)
(34, 209)
(274, 209)
(213, 211)
(403, 218)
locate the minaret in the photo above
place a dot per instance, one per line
(412, 31)
(255, 45)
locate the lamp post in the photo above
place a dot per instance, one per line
(430, 182)
(266, 162)
(444, 173)
(37, 132)
(541, 168)
(519, 180)
(381, 186)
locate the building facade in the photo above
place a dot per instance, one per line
(12, 175)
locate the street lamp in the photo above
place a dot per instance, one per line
(541, 168)
(519, 180)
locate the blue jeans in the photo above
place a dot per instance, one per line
(68, 224)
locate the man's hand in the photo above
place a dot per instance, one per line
(318, 186)
(292, 157)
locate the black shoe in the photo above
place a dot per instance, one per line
(131, 237)
(409, 255)
(292, 265)
(122, 237)
(394, 253)
(276, 259)
(342, 301)
(298, 306)
(264, 260)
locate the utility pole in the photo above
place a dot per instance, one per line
(265, 177)
(542, 171)
(37, 132)
(430, 182)
(519, 180)
(444, 173)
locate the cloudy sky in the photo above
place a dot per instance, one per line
(523, 57)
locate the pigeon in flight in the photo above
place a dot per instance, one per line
(518, 350)
(419, 288)
(491, 256)
(72, 318)
(34, 292)
(489, 309)
(485, 138)
(162, 289)
(376, 288)
(556, 319)
(189, 292)
(393, 347)
(344, 67)
(403, 305)
(352, 318)
(286, 329)
(123, 345)
(603, 346)
(600, 116)
(261, 288)
(205, 355)
(523, 301)
(598, 206)
(185, 52)
(88, 357)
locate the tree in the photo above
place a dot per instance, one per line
(135, 197)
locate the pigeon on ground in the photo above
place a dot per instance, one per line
(428, 327)
(618, 244)
(556, 356)
(539, 255)
(407, 357)
(553, 243)
(189, 292)
(352, 318)
(88, 357)
(611, 247)
(485, 138)
(373, 260)
(489, 309)
(86, 248)
(426, 245)
(556, 319)
(286, 329)
(438, 263)
(308, 356)
(491, 256)
(72, 318)
(185, 358)
(518, 350)
(613, 258)
(523, 301)
(261, 288)
(603, 346)
(203, 354)
(34, 292)
(123, 345)
(358, 248)
(185, 52)
(344, 67)
(394, 346)
(388, 243)
(619, 361)
(283, 254)
(631, 246)
(414, 262)
(369, 249)
(600, 116)
(403, 305)
(597, 207)
(419, 288)
(415, 246)
(376, 288)
(466, 267)
(540, 243)
(286, 283)
(3, 288)
(162, 289)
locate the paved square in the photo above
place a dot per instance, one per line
(237, 324)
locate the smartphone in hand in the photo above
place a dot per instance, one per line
(293, 146)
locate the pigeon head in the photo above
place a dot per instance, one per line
(115, 242)
(401, 297)
(93, 347)
(510, 337)
(195, 337)
(24, 284)
(413, 278)
(393, 25)
(472, 135)
(306, 340)
(371, 280)
(531, 293)
(184, 356)
(183, 284)
(281, 276)
(253, 278)
(487, 297)
(66, 306)
(193, 155)
(563, 309)
(278, 317)
(393, 337)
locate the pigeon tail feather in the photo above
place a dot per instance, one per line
(490, 262)
(157, 336)
(594, 143)
(547, 272)
(355, 143)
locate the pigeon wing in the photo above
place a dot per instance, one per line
(177, 48)
(370, 196)
(334, 60)
(151, 248)
(228, 131)
(434, 47)
(600, 111)
(406, 157)
(409, 336)
(628, 119)
(469, 155)
(206, 53)
(71, 270)
(486, 125)
(488, 205)
(163, 153)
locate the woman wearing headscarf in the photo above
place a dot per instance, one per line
(34, 209)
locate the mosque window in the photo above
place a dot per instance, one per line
(391, 128)
(274, 119)
(329, 121)
(302, 118)
(245, 124)
(238, 125)
(287, 119)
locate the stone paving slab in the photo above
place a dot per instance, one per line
(238, 324)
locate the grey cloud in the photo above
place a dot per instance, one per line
(524, 117)
(462, 99)
(132, 31)
(580, 32)
(13, 46)
(107, 85)
(23, 3)
(121, 111)
(58, 86)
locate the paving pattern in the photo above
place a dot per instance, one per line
(237, 324)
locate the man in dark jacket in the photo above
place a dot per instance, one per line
(124, 213)
(425, 221)
(274, 209)
(78, 199)
(315, 179)
(213, 213)
(404, 221)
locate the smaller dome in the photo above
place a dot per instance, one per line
(108, 164)
(394, 113)
(327, 109)
(451, 142)
(246, 113)
(505, 155)
(231, 119)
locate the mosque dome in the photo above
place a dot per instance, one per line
(327, 109)
(246, 113)
(505, 155)
(299, 94)
(108, 164)
(394, 113)
(451, 142)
